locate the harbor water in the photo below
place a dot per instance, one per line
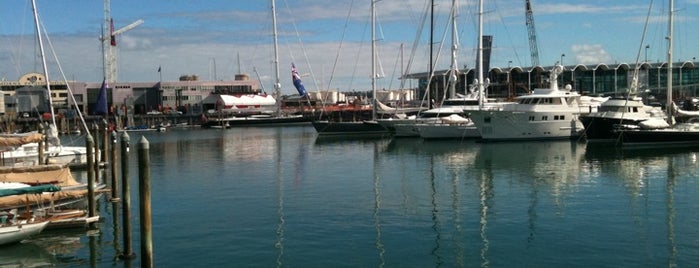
(283, 197)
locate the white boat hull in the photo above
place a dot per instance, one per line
(508, 125)
(18, 232)
(448, 131)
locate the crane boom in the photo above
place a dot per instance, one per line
(128, 27)
(531, 30)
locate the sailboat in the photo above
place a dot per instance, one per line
(621, 111)
(363, 128)
(456, 125)
(15, 226)
(27, 154)
(669, 133)
(276, 117)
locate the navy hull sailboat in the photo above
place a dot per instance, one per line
(362, 128)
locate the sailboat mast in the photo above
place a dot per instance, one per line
(481, 87)
(669, 63)
(277, 84)
(43, 60)
(373, 58)
(429, 77)
(454, 48)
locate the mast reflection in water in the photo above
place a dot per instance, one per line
(262, 197)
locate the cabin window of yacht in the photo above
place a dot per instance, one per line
(531, 118)
(545, 118)
(558, 101)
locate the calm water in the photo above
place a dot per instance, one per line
(280, 197)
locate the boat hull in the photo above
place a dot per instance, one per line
(682, 135)
(599, 129)
(349, 128)
(18, 232)
(508, 125)
(256, 121)
(448, 131)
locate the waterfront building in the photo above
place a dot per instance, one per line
(29, 94)
(596, 79)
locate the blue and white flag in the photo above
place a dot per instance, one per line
(297, 80)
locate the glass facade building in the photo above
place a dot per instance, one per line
(599, 79)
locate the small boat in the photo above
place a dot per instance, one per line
(658, 133)
(71, 195)
(15, 227)
(18, 231)
(617, 113)
(452, 127)
(23, 150)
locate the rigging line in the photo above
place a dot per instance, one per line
(342, 39)
(356, 58)
(395, 66)
(507, 33)
(634, 79)
(303, 49)
(439, 52)
(63, 75)
(413, 50)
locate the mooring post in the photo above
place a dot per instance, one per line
(41, 145)
(90, 178)
(126, 197)
(145, 208)
(105, 144)
(113, 167)
(96, 150)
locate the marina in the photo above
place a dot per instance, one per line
(285, 196)
(577, 165)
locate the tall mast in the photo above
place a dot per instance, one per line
(454, 48)
(669, 64)
(43, 61)
(277, 84)
(373, 58)
(481, 87)
(429, 77)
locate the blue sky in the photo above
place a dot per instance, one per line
(330, 40)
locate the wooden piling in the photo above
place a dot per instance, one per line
(145, 202)
(96, 150)
(40, 150)
(105, 138)
(113, 167)
(126, 198)
(90, 178)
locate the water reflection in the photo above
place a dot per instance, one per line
(46, 249)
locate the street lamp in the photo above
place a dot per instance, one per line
(562, 55)
(647, 47)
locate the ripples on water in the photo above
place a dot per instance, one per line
(265, 197)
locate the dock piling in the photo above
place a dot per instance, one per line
(145, 202)
(91, 210)
(113, 167)
(126, 197)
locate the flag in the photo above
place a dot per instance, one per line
(101, 104)
(111, 32)
(159, 69)
(297, 81)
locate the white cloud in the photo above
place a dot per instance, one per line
(590, 54)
